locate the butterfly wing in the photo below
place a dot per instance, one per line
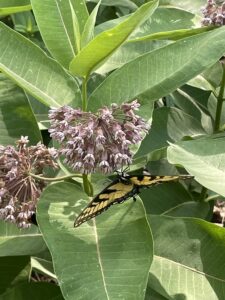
(149, 180)
(120, 190)
(117, 192)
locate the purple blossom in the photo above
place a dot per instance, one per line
(97, 142)
(214, 13)
(19, 191)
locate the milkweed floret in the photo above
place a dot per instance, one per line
(97, 142)
(19, 192)
(214, 13)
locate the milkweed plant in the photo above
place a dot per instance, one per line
(91, 91)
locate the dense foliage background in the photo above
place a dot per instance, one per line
(163, 246)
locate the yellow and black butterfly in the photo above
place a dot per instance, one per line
(121, 189)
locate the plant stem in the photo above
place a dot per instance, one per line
(220, 102)
(56, 178)
(217, 120)
(86, 182)
(87, 185)
(84, 94)
(203, 194)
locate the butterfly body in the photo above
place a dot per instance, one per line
(119, 190)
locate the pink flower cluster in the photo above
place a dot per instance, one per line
(97, 142)
(19, 191)
(214, 13)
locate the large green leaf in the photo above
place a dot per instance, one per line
(189, 259)
(106, 258)
(15, 106)
(104, 44)
(13, 6)
(161, 71)
(13, 270)
(187, 100)
(194, 6)
(163, 19)
(14, 241)
(34, 291)
(168, 125)
(33, 70)
(172, 199)
(54, 20)
(203, 158)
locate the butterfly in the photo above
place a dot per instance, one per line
(121, 189)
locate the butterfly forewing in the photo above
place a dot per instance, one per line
(120, 190)
(116, 192)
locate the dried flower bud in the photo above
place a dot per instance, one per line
(214, 13)
(19, 192)
(97, 142)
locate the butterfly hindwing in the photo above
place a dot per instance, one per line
(119, 190)
(116, 192)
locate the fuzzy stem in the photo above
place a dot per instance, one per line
(86, 182)
(217, 121)
(56, 178)
(87, 185)
(220, 103)
(84, 94)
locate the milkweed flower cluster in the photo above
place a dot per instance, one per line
(214, 13)
(19, 192)
(97, 142)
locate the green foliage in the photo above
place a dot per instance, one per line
(95, 53)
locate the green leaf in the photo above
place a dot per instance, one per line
(55, 20)
(189, 259)
(128, 52)
(172, 199)
(8, 7)
(163, 19)
(34, 71)
(88, 32)
(103, 45)
(169, 125)
(15, 241)
(171, 35)
(15, 106)
(161, 71)
(43, 266)
(194, 6)
(187, 100)
(121, 3)
(204, 159)
(115, 250)
(13, 270)
(34, 291)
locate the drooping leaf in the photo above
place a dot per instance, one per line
(203, 158)
(43, 266)
(168, 125)
(34, 71)
(115, 250)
